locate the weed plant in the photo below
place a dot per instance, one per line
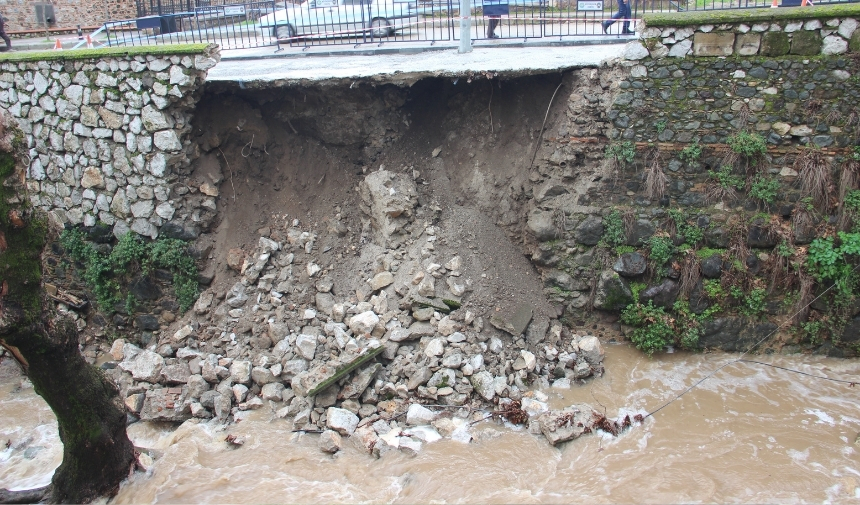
(106, 273)
(764, 189)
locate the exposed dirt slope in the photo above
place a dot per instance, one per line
(302, 152)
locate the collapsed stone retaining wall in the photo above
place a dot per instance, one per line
(105, 137)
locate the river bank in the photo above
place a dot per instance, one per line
(749, 434)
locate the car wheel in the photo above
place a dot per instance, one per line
(284, 32)
(380, 27)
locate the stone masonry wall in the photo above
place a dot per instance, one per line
(106, 139)
(700, 86)
(779, 37)
(68, 13)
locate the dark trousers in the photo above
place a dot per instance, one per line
(491, 26)
(3, 34)
(624, 13)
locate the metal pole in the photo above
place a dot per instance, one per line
(465, 26)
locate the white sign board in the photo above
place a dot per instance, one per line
(234, 10)
(589, 5)
(326, 3)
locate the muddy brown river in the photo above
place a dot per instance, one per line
(749, 434)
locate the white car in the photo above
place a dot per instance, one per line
(340, 18)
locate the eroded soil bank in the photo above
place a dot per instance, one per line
(384, 220)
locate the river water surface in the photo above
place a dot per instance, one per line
(749, 434)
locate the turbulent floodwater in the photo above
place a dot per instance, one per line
(749, 434)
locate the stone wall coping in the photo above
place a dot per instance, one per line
(696, 18)
(107, 52)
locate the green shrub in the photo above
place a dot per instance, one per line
(692, 233)
(811, 331)
(621, 151)
(104, 274)
(691, 153)
(830, 261)
(726, 179)
(714, 290)
(747, 144)
(749, 304)
(852, 207)
(706, 252)
(660, 249)
(764, 189)
(652, 331)
(654, 328)
(613, 229)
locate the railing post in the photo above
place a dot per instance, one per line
(465, 26)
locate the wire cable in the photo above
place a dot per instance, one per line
(740, 358)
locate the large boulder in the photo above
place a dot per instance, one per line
(144, 366)
(630, 264)
(591, 349)
(542, 225)
(733, 333)
(712, 266)
(662, 295)
(613, 292)
(166, 404)
(483, 384)
(589, 231)
(563, 425)
(419, 415)
(852, 331)
(341, 421)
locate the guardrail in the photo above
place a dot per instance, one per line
(328, 22)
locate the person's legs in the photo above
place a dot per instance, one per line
(4, 36)
(628, 14)
(618, 15)
(491, 27)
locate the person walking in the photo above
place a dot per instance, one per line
(624, 13)
(3, 33)
(493, 22)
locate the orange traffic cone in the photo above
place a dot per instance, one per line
(58, 46)
(89, 42)
(775, 4)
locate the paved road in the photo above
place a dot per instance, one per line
(405, 63)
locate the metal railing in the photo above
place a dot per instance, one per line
(232, 26)
(327, 22)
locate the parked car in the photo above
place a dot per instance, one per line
(344, 18)
(431, 6)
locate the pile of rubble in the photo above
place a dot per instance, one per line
(406, 343)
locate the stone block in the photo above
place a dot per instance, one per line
(747, 44)
(713, 44)
(774, 44)
(804, 43)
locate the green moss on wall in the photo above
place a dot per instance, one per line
(806, 43)
(711, 17)
(87, 54)
(854, 42)
(20, 263)
(774, 44)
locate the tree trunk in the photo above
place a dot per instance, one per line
(97, 454)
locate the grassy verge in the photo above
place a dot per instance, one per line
(107, 52)
(751, 15)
